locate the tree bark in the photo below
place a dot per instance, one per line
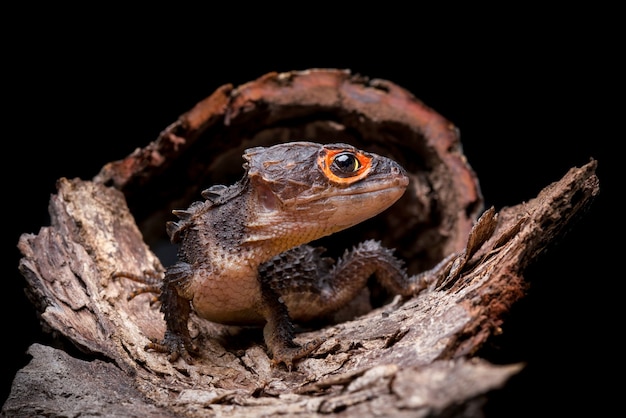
(398, 357)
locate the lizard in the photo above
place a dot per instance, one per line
(245, 257)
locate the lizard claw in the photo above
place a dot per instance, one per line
(287, 355)
(175, 346)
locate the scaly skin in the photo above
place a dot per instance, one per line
(243, 258)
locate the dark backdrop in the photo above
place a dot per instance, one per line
(532, 99)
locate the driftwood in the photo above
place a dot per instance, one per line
(385, 356)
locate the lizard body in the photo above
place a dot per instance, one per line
(243, 253)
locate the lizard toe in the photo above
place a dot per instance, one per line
(176, 347)
(288, 355)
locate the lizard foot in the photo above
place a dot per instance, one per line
(287, 355)
(151, 283)
(175, 346)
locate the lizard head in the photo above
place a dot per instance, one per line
(304, 190)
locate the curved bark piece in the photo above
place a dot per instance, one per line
(392, 359)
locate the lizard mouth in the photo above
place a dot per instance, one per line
(362, 200)
(398, 180)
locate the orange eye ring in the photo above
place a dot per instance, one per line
(344, 166)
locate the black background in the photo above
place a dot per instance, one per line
(533, 95)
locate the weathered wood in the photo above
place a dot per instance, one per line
(395, 359)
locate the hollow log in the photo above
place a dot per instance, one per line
(396, 357)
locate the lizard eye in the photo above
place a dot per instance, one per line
(345, 164)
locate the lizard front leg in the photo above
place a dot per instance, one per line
(176, 309)
(278, 331)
